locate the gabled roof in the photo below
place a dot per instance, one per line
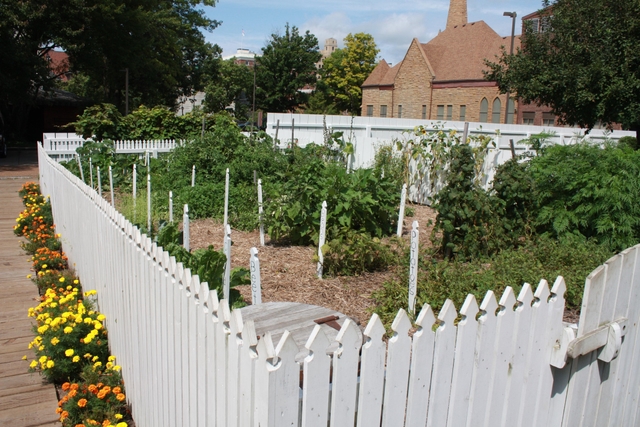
(458, 53)
(382, 75)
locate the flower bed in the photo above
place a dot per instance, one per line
(71, 347)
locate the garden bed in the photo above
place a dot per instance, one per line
(288, 273)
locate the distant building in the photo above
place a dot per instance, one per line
(330, 46)
(442, 79)
(243, 57)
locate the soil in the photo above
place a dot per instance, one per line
(288, 273)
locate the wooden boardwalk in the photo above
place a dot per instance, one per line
(25, 400)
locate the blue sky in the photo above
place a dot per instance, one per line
(393, 24)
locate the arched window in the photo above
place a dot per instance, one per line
(511, 107)
(495, 111)
(484, 110)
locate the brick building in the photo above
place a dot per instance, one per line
(442, 79)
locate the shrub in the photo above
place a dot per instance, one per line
(356, 253)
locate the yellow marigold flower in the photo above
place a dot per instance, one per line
(88, 320)
(69, 352)
(97, 364)
(50, 364)
(75, 359)
(44, 266)
(42, 329)
(88, 339)
(111, 358)
(97, 325)
(109, 365)
(117, 368)
(53, 304)
(61, 280)
(95, 358)
(24, 357)
(87, 355)
(101, 317)
(76, 281)
(41, 348)
(54, 340)
(68, 330)
(28, 276)
(123, 424)
(42, 359)
(33, 364)
(118, 416)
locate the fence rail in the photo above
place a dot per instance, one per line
(188, 360)
(63, 146)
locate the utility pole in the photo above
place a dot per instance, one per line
(512, 15)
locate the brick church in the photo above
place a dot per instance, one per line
(442, 79)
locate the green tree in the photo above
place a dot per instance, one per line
(287, 64)
(346, 69)
(585, 65)
(232, 83)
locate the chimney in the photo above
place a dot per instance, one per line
(457, 13)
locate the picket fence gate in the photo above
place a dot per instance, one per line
(187, 360)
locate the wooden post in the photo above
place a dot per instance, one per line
(465, 133)
(185, 229)
(255, 177)
(293, 121)
(171, 206)
(275, 140)
(254, 265)
(403, 199)
(513, 149)
(260, 212)
(226, 199)
(91, 171)
(322, 237)
(227, 268)
(80, 167)
(149, 204)
(193, 176)
(99, 182)
(111, 186)
(413, 267)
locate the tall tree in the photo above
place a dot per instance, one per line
(287, 64)
(233, 83)
(585, 65)
(346, 69)
(159, 41)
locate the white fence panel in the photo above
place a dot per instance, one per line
(189, 361)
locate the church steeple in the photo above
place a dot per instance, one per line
(457, 13)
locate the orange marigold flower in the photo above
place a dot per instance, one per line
(101, 394)
(82, 403)
(106, 389)
(120, 397)
(106, 423)
(64, 415)
(74, 386)
(73, 393)
(58, 410)
(93, 389)
(66, 386)
(117, 390)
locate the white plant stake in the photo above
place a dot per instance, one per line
(171, 207)
(113, 203)
(185, 228)
(321, 238)
(193, 176)
(80, 167)
(99, 183)
(226, 199)
(227, 268)
(149, 204)
(254, 266)
(260, 212)
(403, 198)
(91, 171)
(413, 267)
(146, 161)
(135, 190)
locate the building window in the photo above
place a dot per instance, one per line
(548, 119)
(369, 110)
(484, 110)
(528, 118)
(511, 106)
(449, 112)
(463, 113)
(440, 112)
(424, 112)
(495, 111)
(383, 111)
(399, 111)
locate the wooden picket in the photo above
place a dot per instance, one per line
(188, 360)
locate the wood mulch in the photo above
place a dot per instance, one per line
(288, 273)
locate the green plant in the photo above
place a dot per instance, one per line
(356, 253)
(388, 164)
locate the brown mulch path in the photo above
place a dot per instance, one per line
(288, 273)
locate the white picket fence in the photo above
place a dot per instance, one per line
(189, 361)
(63, 146)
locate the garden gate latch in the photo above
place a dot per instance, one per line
(329, 321)
(606, 338)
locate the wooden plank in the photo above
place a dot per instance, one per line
(316, 371)
(397, 375)
(345, 375)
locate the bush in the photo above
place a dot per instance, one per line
(357, 253)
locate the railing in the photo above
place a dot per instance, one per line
(63, 146)
(189, 361)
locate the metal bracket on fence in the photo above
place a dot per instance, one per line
(607, 338)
